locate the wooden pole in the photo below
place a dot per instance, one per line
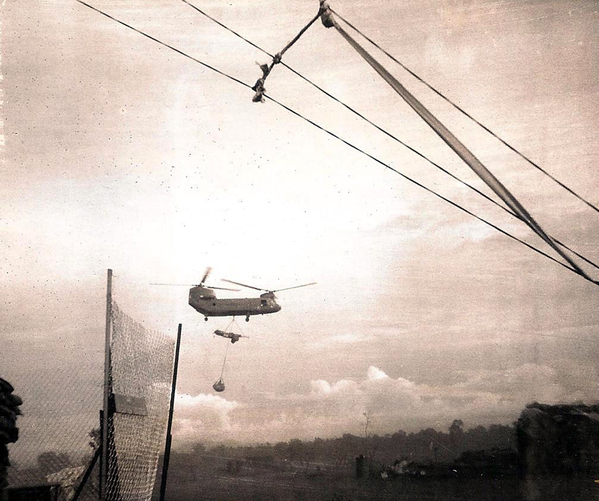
(105, 414)
(167, 448)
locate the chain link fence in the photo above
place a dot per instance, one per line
(60, 429)
(141, 373)
(57, 428)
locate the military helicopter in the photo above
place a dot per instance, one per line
(203, 299)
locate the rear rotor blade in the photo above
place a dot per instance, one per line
(243, 285)
(294, 287)
(222, 288)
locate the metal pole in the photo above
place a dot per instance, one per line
(104, 462)
(167, 448)
(87, 474)
(100, 465)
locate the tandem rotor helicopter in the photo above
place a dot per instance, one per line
(203, 299)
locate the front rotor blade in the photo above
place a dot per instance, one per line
(176, 285)
(294, 287)
(243, 285)
(208, 270)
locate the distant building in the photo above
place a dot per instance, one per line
(559, 439)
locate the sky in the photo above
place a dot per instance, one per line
(120, 153)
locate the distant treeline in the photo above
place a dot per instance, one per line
(425, 444)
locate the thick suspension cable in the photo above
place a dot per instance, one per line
(465, 113)
(357, 113)
(451, 140)
(381, 129)
(424, 187)
(506, 233)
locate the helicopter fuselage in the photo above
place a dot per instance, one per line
(205, 302)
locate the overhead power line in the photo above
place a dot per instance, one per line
(222, 73)
(451, 202)
(164, 44)
(465, 113)
(384, 131)
(357, 113)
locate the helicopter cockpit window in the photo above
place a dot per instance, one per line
(263, 302)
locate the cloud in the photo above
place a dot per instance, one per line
(521, 384)
(194, 415)
(331, 409)
(374, 374)
(321, 388)
(340, 340)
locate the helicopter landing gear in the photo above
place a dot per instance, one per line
(247, 318)
(205, 319)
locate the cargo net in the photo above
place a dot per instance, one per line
(141, 363)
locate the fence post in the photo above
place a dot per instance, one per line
(167, 448)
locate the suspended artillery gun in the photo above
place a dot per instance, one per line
(229, 335)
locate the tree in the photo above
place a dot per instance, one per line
(95, 438)
(456, 432)
(50, 462)
(295, 449)
(199, 449)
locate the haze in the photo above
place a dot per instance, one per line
(119, 153)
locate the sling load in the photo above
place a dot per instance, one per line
(229, 335)
(219, 386)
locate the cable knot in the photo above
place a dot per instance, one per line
(260, 90)
(259, 85)
(326, 16)
(266, 69)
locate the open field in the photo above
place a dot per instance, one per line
(215, 481)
